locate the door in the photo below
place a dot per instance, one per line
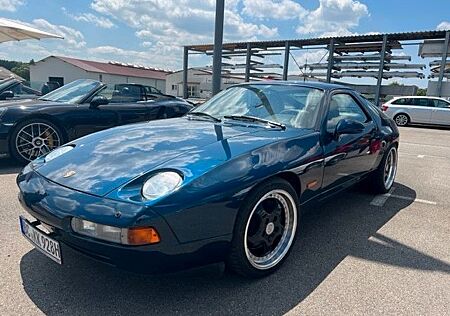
(420, 110)
(125, 106)
(347, 156)
(441, 112)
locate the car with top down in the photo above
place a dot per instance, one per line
(31, 128)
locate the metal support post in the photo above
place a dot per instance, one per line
(380, 71)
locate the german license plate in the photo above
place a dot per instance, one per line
(41, 241)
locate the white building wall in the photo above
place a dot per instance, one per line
(55, 67)
(200, 79)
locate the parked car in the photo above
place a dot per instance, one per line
(31, 128)
(227, 182)
(14, 89)
(418, 110)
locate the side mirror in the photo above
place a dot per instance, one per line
(348, 126)
(6, 95)
(98, 100)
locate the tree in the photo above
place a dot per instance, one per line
(19, 68)
(421, 92)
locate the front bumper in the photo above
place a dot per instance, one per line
(55, 205)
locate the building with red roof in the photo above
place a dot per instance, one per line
(67, 69)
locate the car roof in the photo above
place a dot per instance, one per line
(418, 97)
(308, 84)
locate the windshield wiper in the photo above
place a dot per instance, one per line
(203, 114)
(253, 119)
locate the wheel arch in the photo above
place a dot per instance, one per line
(46, 117)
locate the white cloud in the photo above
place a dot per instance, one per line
(273, 9)
(10, 5)
(72, 37)
(90, 18)
(170, 24)
(443, 26)
(333, 17)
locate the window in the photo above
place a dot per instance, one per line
(422, 102)
(174, 87)
(344, 106)
(58, 80)
(441, 104)
(122, 93)
(294, 106)
(402, 101)
(193, 91)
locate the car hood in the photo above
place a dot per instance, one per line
(104, 161)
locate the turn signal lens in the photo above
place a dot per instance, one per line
(142, 236)
(135, 236)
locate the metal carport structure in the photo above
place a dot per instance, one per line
(375, 49)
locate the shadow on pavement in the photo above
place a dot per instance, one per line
(332, 231)
(9, 166)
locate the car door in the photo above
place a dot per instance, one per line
(128, 102)
(348, 156)
(420, 110)
(124, 106)
(441, 112)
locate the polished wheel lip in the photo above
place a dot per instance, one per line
(401, 120)
(280, 251)
(36, 139)
(390, 168)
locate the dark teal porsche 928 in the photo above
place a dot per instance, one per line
(227, 182)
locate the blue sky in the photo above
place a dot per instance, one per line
(151, 32)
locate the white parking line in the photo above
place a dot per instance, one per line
(413, 199)
(422, 156)
(379, 200)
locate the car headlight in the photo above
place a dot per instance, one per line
(134, 236)
(161, 184)
(57, 152)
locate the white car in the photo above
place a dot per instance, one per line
(418, 110)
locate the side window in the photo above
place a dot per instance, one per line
(399, 101)
(122, 93)
(441, 104)
(344, 106)
(16, 89)
(422, 102)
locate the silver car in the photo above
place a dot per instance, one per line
(418, 110)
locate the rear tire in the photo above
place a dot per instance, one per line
(401, 119)
(265, 229)
(33, 138)
(382, 179)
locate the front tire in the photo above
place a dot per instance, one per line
(33, 138)
(265, 229)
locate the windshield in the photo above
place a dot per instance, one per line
(6, 83)
(73, 92)
(290, 105)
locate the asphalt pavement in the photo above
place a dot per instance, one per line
(356, 254)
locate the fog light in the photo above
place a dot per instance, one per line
(126, 236)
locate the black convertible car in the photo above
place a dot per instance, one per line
(31, 128)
